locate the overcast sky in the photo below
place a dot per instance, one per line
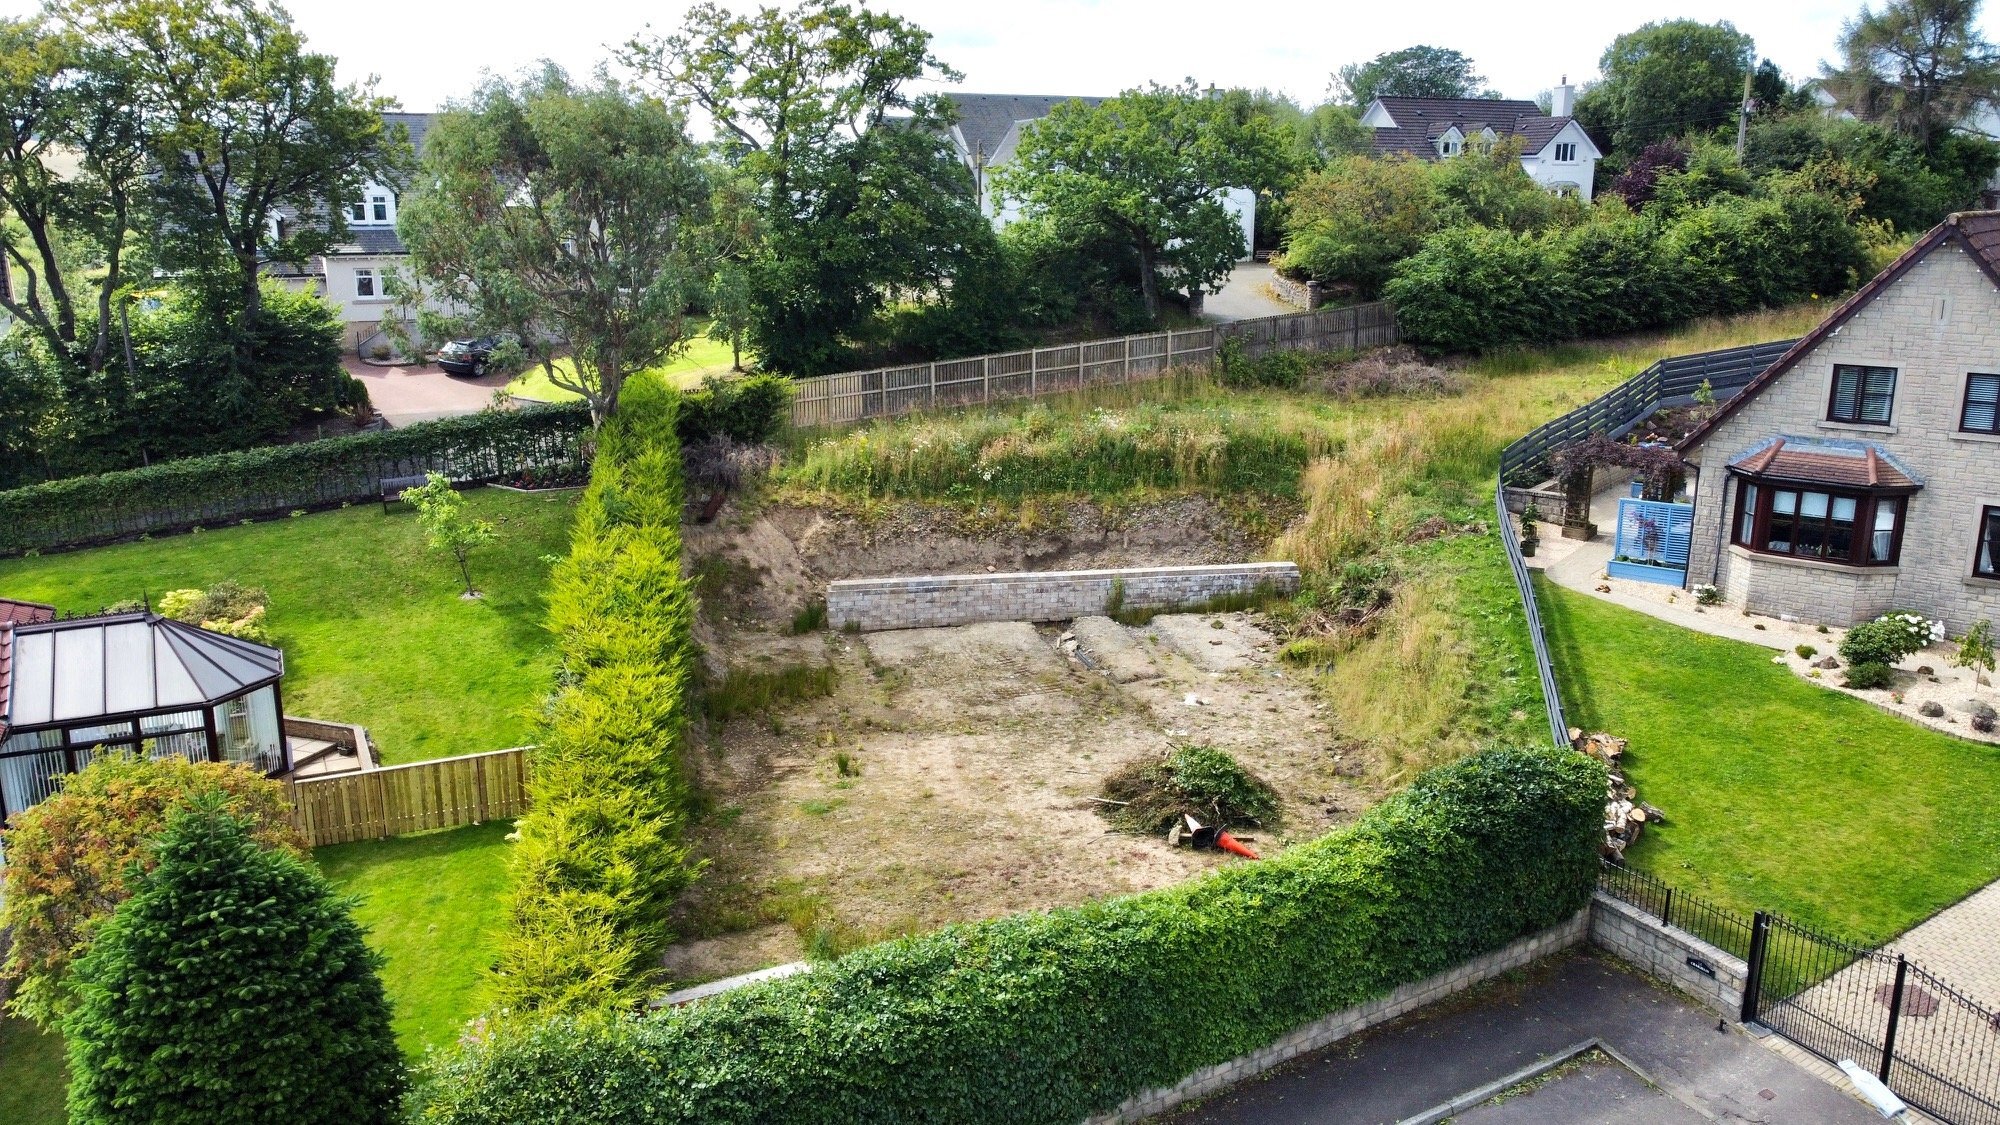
(427, 52)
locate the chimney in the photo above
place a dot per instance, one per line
(1562, 99)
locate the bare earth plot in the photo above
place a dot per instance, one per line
(948, 777)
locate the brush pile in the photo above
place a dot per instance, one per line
(1199, 781)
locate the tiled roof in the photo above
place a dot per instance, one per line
(1419, 121)
(16, 612)
(6, 670)
(1977, 231)
(984, 119)
(1858, 464)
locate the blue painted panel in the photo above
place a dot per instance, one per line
(1641, 572)
(1653, 541)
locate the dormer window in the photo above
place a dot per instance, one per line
(1450, 144)
(376, 207)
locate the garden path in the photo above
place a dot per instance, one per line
(421, 392)
(1245, 296)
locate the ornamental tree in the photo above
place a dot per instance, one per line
(71, 857)
(231, 987)
(448, 526)
(1148, 169)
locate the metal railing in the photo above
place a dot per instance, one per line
(1727, 931)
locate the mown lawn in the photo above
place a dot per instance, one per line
(702, 358)
(32, 1075)
(373, 629)
(1779, 795)
(434, 906)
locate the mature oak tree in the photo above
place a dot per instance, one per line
(1413, 72)
(570, 216)
(1149, 168)
(1666, 79)
(1919, 66)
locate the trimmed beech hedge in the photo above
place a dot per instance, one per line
(601, 858)
(271, 480)
(1051, 1017)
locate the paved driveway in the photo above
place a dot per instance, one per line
(420, 393)
(1244, 296)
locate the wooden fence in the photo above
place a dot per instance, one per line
(443, 793)
(852, 396)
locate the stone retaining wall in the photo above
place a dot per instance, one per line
(872, 604)
(1662, 951)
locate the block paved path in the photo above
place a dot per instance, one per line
(1961, 945)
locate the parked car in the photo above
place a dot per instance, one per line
(468, 357)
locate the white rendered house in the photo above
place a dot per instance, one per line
(1555, 151)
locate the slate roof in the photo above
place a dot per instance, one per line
(1857, 464)
(984, 120)
(1420, 121)
(1978, 232)
(362, 240)
(127, 663)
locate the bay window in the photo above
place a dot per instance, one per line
(1850, 526)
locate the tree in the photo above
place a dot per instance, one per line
(231, 987)
(1149, 167)
(71, 857)
(569, 216)
(1921, 66)
(1666, 79)
(1642, 175)
(729, 311)
(1975, 650)
(448, 526)
(242, 124)
(861, 199)
(1413, 72)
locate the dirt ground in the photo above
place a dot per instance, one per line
(947, 778)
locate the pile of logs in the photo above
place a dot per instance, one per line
(1625, 816)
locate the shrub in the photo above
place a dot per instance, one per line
(1889, 638)
(1870, 675)
(1975, 649)
(227, 607)
(1055, 1015)
(1806, 652)
(231, 987)
(70, 858)
(601, 856)
(750, 410)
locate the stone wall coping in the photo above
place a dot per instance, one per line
(1277, 570)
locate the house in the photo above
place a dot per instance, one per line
(73, 689)
(988, 131)
(1555, 151)
(352, 276)
(1860, 472)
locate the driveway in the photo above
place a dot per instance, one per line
(421, 393)
(1245, 296)
(1697, 1069)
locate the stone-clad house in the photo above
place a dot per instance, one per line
(1861, 471)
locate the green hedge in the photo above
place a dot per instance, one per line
(1051, 1017)
(600, 858)
(225, 487)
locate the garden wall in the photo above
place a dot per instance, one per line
(1667, 952)
(871, 604)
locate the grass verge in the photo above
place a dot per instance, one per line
(1779, 794)
(434, 906)
(369, 618)
(33, 1075)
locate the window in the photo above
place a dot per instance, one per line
(1448, 147)
(1856, 528)
(1982, 404)
(379, 205)
(358, 213)
(364, 283)
(1862, 395)
(1566, 153)
(1987, 565)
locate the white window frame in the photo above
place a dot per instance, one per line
(367, 274)
(1565, 152)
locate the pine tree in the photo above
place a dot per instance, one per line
(231, 987)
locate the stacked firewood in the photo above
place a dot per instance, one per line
(1625, 815)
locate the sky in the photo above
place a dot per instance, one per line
(425, 52)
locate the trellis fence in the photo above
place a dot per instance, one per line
(853, 396)
(394, 800)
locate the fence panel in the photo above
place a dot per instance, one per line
(443, 793)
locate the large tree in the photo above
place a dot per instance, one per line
(1667, 79)
(569, 215)
(1413, 72)
(231, 987)
(1919, 66)
(860, 198)
(1150, 168)
(242, 125)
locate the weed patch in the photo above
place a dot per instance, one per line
(754, 691)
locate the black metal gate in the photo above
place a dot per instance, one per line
(1936, 1048)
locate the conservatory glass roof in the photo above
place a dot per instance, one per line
(128, 663)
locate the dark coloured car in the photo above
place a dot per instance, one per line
(467, 357)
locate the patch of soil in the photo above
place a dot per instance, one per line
(948, 776)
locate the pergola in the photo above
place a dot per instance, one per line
(132, 682)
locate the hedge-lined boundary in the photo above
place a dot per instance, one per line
(600, 858)
(272, 480)
(1052, 1017)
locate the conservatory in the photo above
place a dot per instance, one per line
(134, 682)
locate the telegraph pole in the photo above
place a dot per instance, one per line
(1743, 118)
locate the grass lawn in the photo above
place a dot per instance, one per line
(32, 1075)
(370, 619)
(433, 905)
(703, 357)
(1779, 794)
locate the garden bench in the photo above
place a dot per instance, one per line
(392, 488)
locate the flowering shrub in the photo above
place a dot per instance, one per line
(1890, 638)
(1707, 594)
(226, 607)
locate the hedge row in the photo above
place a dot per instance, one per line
(225, 487)
(1051, 1017)
(1474, 287)
(601, 858)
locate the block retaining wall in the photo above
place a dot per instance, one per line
(871, 604)
(1662, 951)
